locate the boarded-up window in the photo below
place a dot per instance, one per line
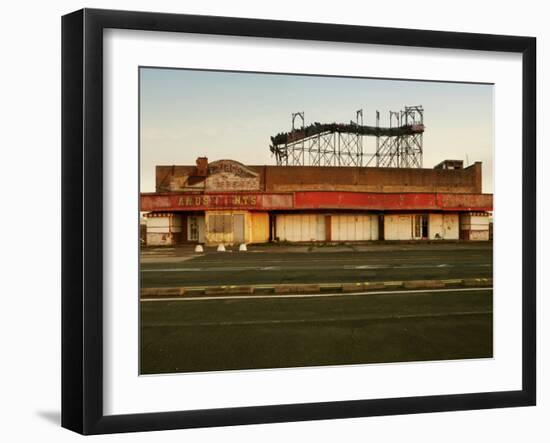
(219, 223)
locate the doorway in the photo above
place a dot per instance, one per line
(195, 228)
(238, 228)
(420, 227)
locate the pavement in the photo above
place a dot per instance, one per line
(232, 333)
(318, 265)
(278, 306)
(153, 253)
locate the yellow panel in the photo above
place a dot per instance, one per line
(260, 227)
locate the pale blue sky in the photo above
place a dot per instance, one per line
(186, 114)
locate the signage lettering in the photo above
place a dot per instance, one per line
(218, 201)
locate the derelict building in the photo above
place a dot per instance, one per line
(231, 203)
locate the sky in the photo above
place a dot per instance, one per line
(185, 114)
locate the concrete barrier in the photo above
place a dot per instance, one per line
(353, 287)
(477, 282)
(163, 292)
(423, 284)
(298, 289)
(315, 288)
(393, 284)
(374, 286)
(221, 290)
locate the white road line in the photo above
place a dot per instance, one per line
(329, 259)
(280, 268)
(323, 320)
(338, 294)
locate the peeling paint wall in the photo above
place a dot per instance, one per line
(164, 231)
(474, 227)
(443, 227)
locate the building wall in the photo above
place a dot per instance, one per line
(164, 230)
(443, 227)
(300, 227)
(353, 227)
(235, 227)
(314, 178)
(474, 227)
(326, 178)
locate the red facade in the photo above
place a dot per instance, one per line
(308, 200)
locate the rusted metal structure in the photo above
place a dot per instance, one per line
(342, 144)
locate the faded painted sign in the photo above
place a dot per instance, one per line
(231, 182)
(197, 202)
(229, 175)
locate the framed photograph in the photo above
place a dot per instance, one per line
(268, 221)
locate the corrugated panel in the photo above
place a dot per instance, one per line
(300, 227)
(398, 227)
(351, 227)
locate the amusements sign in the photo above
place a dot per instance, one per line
(201, 202)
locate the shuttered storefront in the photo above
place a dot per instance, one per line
(351, 227)
(320, 227)
(300, 227)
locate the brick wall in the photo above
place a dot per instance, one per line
(311, 178)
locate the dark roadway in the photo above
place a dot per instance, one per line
(273, 267)
(190, 335)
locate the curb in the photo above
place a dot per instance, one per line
(314, 288)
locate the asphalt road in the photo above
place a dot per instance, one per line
(191, 335)
(272, 267)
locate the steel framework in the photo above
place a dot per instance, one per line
(335, 144)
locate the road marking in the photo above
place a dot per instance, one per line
(323, 320)
(328, 259)
(346, 267)
(336, 294)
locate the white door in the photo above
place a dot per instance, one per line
(300, 227)
(195, 228)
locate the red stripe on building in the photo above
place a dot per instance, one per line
(317, 200)
(397, 201)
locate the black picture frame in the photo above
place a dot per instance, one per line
(82, 218)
